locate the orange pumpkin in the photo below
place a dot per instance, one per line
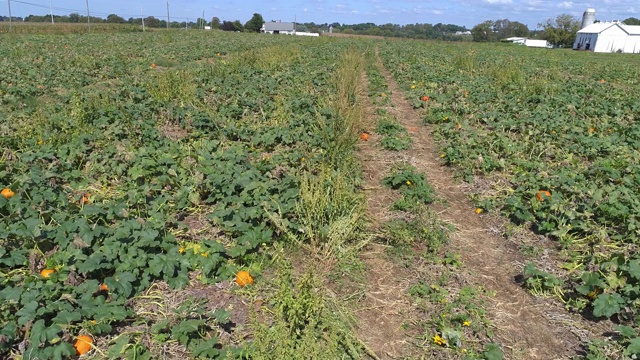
(7, 193)
(85, 199)
(46, 273)
(425, 98)
(542, 193)
(364, 136)
(83, 344)
(104, 287)
(243, 278)
(153, 66)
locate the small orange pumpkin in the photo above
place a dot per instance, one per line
(7, 193)
(83, 344)
(104, 287)
(85, 199)
(46, 273)
(364, 136)
(541, 193)
(153, 66)
(424, 98)
(243, 278)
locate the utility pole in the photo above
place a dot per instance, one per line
(142, 16)
(51, 10)
(88, 16)
(168, 20)
(10, 25)
(204, 22)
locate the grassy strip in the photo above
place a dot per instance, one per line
(394, 136)
(305, 320)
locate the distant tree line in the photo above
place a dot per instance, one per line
(439, 31)
(418, 31)
(149, 21)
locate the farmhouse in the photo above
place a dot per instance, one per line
(277, 27)
(609, 37)
(287, 28)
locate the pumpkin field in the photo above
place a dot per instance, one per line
(184, 194)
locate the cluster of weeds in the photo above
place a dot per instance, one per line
(413, 186)
(302, 321)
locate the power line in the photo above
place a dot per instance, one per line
(95, 13)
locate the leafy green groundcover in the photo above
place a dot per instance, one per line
(558, 123)
(108, 155)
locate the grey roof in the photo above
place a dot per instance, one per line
(600, 27)
(278, 26)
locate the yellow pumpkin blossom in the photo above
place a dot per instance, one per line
(438, 340)
(466, 323)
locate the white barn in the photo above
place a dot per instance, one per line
(609, 37)
(277, 27)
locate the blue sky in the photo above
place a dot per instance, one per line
(460, 12)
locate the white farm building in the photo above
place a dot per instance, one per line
(609, 37)
(277, 27)
(528, 42)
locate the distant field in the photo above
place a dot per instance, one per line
(183, 157)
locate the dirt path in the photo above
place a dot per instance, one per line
(386, 306)
(525, 326)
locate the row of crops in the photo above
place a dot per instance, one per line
(557, 133)
(115, 147)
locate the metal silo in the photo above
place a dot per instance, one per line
(588, 18)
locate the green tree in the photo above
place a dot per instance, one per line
(632, 21)
(74, 18)
(520, 29)
(215, 23)
(483, 32)
(151, 21)
(255, 24)
(560, 31)
(237, 26)
(115, 19)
